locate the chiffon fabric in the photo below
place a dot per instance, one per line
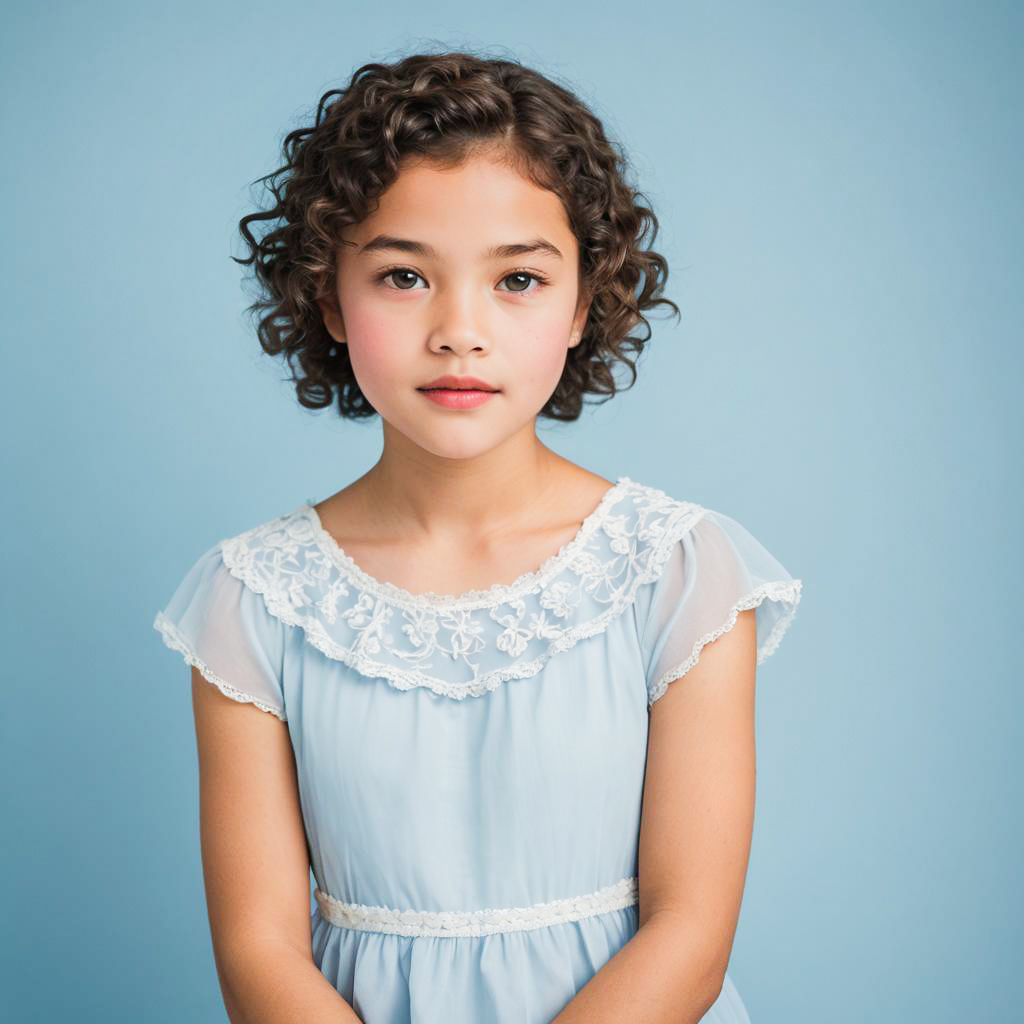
(471, 766)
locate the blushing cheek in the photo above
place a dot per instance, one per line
(376, 358)
(544, 352)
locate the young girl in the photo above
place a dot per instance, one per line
(501, 705)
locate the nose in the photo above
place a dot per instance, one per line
(459, 326)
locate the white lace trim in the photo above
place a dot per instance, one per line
(302, 581)
(624, 893)
(787, 591)
(173, 638)
(498, 593)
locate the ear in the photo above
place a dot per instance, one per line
(579, 321)
(330, 310)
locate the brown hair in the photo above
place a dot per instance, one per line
(445, 107)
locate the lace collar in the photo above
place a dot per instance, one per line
(460, 645)
(500, 592)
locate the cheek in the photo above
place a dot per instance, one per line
(544, 349)
(371, 342)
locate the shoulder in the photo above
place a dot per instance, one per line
(660, 515)
(653, 523)
(259, 551)
(241, 574)
(687, 530)
(711, 572)
(222, 623)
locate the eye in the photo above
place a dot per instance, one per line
(392, 272)
(541, 281)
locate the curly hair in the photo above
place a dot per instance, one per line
(445, 107)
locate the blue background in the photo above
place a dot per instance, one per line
(835, 189)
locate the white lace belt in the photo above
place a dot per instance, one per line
(623, 893)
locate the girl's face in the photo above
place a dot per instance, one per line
(426, 290)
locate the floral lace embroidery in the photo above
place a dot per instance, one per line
(471, 598)
(624, 893)
(493, 635)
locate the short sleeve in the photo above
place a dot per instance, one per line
(224, 629)
(713, 572)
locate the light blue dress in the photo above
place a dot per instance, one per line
(471, 766)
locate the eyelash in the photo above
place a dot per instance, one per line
(541, 280)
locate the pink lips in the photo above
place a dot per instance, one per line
(454, 398)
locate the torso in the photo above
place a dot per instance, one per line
(418, 568)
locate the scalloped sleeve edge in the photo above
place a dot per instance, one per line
(786, 592)
(176, 642)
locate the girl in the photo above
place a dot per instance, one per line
(502, 706)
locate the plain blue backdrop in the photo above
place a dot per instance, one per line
(835, 184)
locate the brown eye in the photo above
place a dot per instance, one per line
(524, 278)
(521, 274)
(386, 276)
(398, 274)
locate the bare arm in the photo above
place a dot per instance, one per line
(256, 866)
(696, 825)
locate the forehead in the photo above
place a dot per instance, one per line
(480, 203)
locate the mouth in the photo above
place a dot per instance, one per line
(458, 398)
(457, 382)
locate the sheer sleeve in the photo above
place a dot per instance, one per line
(716, 570)
(224, 629)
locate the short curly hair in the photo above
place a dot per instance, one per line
(445, 107)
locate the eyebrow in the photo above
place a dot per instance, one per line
(535, 245)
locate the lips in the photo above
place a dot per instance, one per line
(458, 398)
(452, 383)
